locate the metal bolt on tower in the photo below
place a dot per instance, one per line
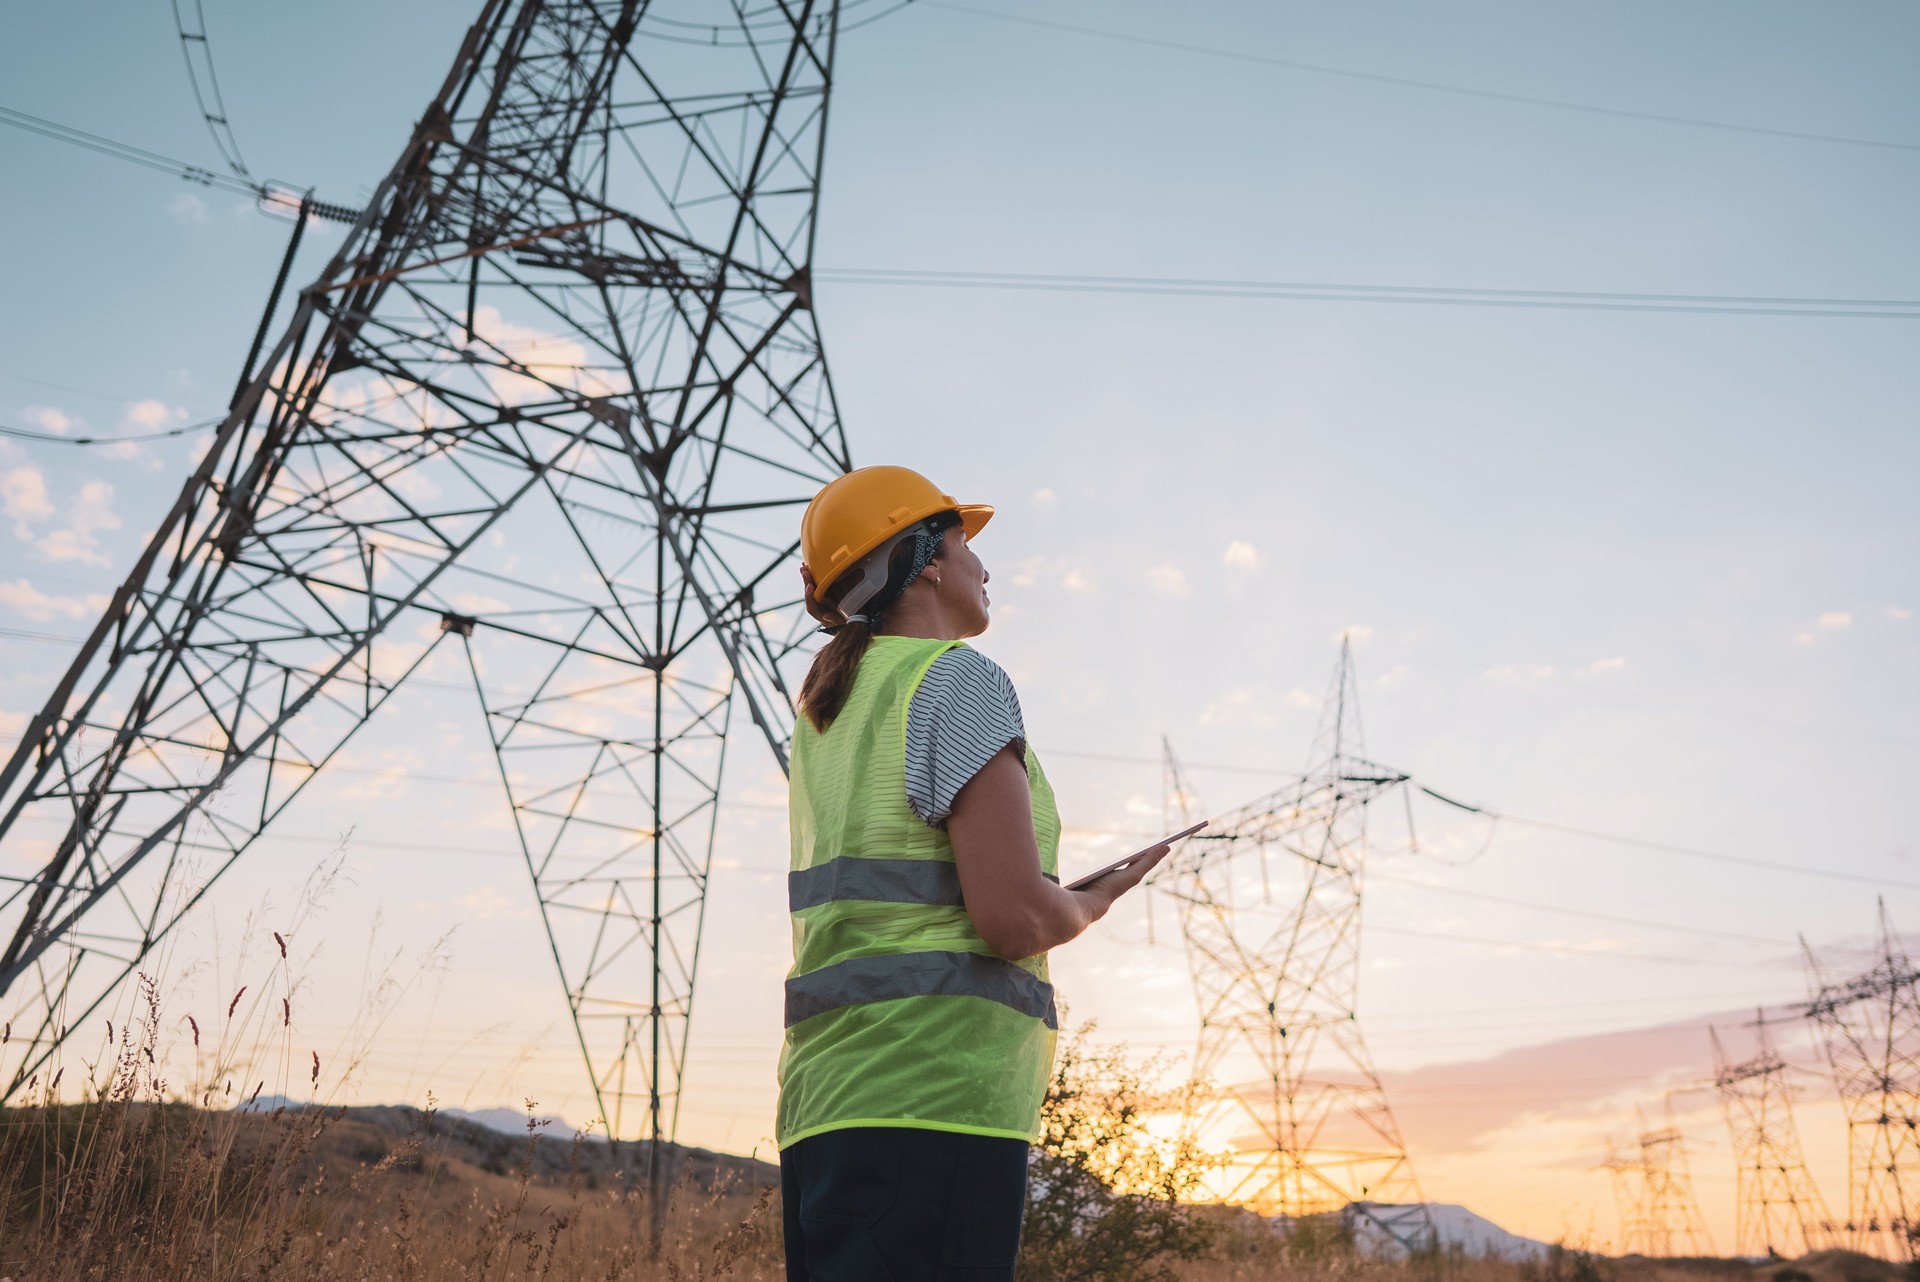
(1779, 1208)
(544, 422)
(1270, 907)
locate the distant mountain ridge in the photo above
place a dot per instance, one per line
(1457, 1227)
(501, 1120)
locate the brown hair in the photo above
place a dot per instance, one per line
(830, 680)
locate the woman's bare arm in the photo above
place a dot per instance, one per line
(1017, 911)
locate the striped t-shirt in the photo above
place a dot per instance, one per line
(964, 712)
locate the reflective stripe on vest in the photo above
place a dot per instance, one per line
(897, 1012)
(885, 881)
(935, 974)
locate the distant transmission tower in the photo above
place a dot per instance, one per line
(1779, 1209)
(1628, 1172)
(1275, 955)
(1659, 1215)
(1870, 1026)
(547, 416)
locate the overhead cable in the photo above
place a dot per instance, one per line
(287, 199)
(198, 53)
(56, 438)
(749, 21)
(1431, 86)
(1332, 292)
(271, 195)
(1691, 852)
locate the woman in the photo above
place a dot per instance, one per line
(920, 1023)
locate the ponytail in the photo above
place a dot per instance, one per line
(830, 679)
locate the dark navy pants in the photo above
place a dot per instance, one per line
(897, 1204)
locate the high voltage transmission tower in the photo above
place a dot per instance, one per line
(1270, 908)
(1870, 1028)
(1659, 1215)
(545, 420)
(1778, 1208)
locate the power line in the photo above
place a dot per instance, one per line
(1575, 950)
(1691, 852)
(55, 438)
(127, 152)
(1060, 282)
(68, 387)
(269, 194)
(779, 20)
(1335, 292)
(214, 113)
(1431, 86)
(1703, 932)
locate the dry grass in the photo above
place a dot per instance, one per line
(126, 1176)
(138, 1190)
(137, 1180)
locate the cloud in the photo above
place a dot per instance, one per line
(1043, 495)
(1358, 633)
(1391, 677)
(48, 419)
(391, 778)
(1077, 581)
(1243, 707)
(36, 606)
(550, 360)
(1167, 580)
(1301, 697)
(1599, 666)
(487, 902)
(189, 208)
(90, 513)
(1520, 673)
(1241, 555)
(1895, 612)
(152, 416)
(478, 604)
(23, 497)
(1835, 619)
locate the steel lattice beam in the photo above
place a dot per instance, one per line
(1270, 908)
(1779, 1210)
(545, 418)
(1870, 1027)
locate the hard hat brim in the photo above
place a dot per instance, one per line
(973, 519)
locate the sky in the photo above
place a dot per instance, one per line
(1634, 573)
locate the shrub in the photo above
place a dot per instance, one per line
(1103, 1194)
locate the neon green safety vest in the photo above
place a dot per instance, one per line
(898, 1014)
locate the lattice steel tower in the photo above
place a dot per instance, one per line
(1659, 1215)
(1870, 1026)
(1778, 1207)
(549, 413)
(1275, 955)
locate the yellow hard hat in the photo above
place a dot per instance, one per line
(869, 506)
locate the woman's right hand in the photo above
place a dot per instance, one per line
(1102, 891)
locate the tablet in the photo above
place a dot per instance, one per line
(1124, 860)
